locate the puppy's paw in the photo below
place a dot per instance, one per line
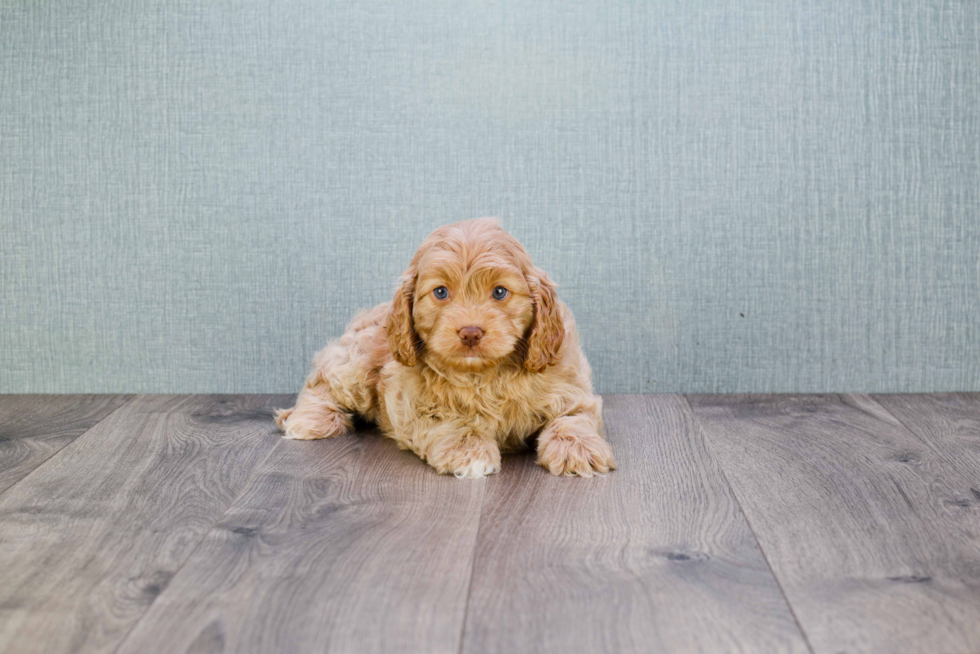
(281, 416)
(570, 453)
(301, 426)
(466, 458)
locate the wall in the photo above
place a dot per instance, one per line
(734, 196)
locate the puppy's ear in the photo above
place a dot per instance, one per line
(547, 328)
(400, 328)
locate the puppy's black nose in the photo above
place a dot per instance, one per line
(471, 335)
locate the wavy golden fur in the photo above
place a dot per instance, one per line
(457, 370)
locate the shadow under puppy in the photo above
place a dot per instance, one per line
(473, 356)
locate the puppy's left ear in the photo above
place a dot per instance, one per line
(400, 328)
(547, 328)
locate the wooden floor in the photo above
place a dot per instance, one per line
(781, 523)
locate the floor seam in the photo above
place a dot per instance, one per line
(926, 442)
(469, 586)
(204, 537)
(755, 536)
(73, 441)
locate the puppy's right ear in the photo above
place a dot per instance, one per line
(400, 328)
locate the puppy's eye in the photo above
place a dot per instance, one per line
(499, 293)
(441, 293)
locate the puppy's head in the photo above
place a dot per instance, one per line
(471, 299)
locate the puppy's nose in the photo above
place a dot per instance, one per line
(471, 335)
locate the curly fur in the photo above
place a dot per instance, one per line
(404, 365)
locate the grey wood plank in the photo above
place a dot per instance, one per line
(655, 557)
(34, 427)
(853, 513)
(93, 536)
(339, 545)
(949, 424)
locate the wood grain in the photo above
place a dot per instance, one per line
(654, 557)
(858, 518)
(91, 538)
(339, 545)
(185, 524)
(949, 425)
(34, 427)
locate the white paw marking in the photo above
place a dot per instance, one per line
(476, 470)
(293, 435)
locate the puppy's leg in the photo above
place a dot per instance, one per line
(316, 415)
(457, 450)
(319, 412)
(573, 445)
(343, 382)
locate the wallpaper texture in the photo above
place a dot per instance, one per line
(740, 196)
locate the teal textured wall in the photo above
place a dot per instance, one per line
(734, 196)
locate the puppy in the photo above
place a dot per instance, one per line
(473, 356)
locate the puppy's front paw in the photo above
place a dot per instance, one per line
(467, 458)
(571, 453)
(312, 425)
(281, 416)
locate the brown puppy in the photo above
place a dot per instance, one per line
(474, 355)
